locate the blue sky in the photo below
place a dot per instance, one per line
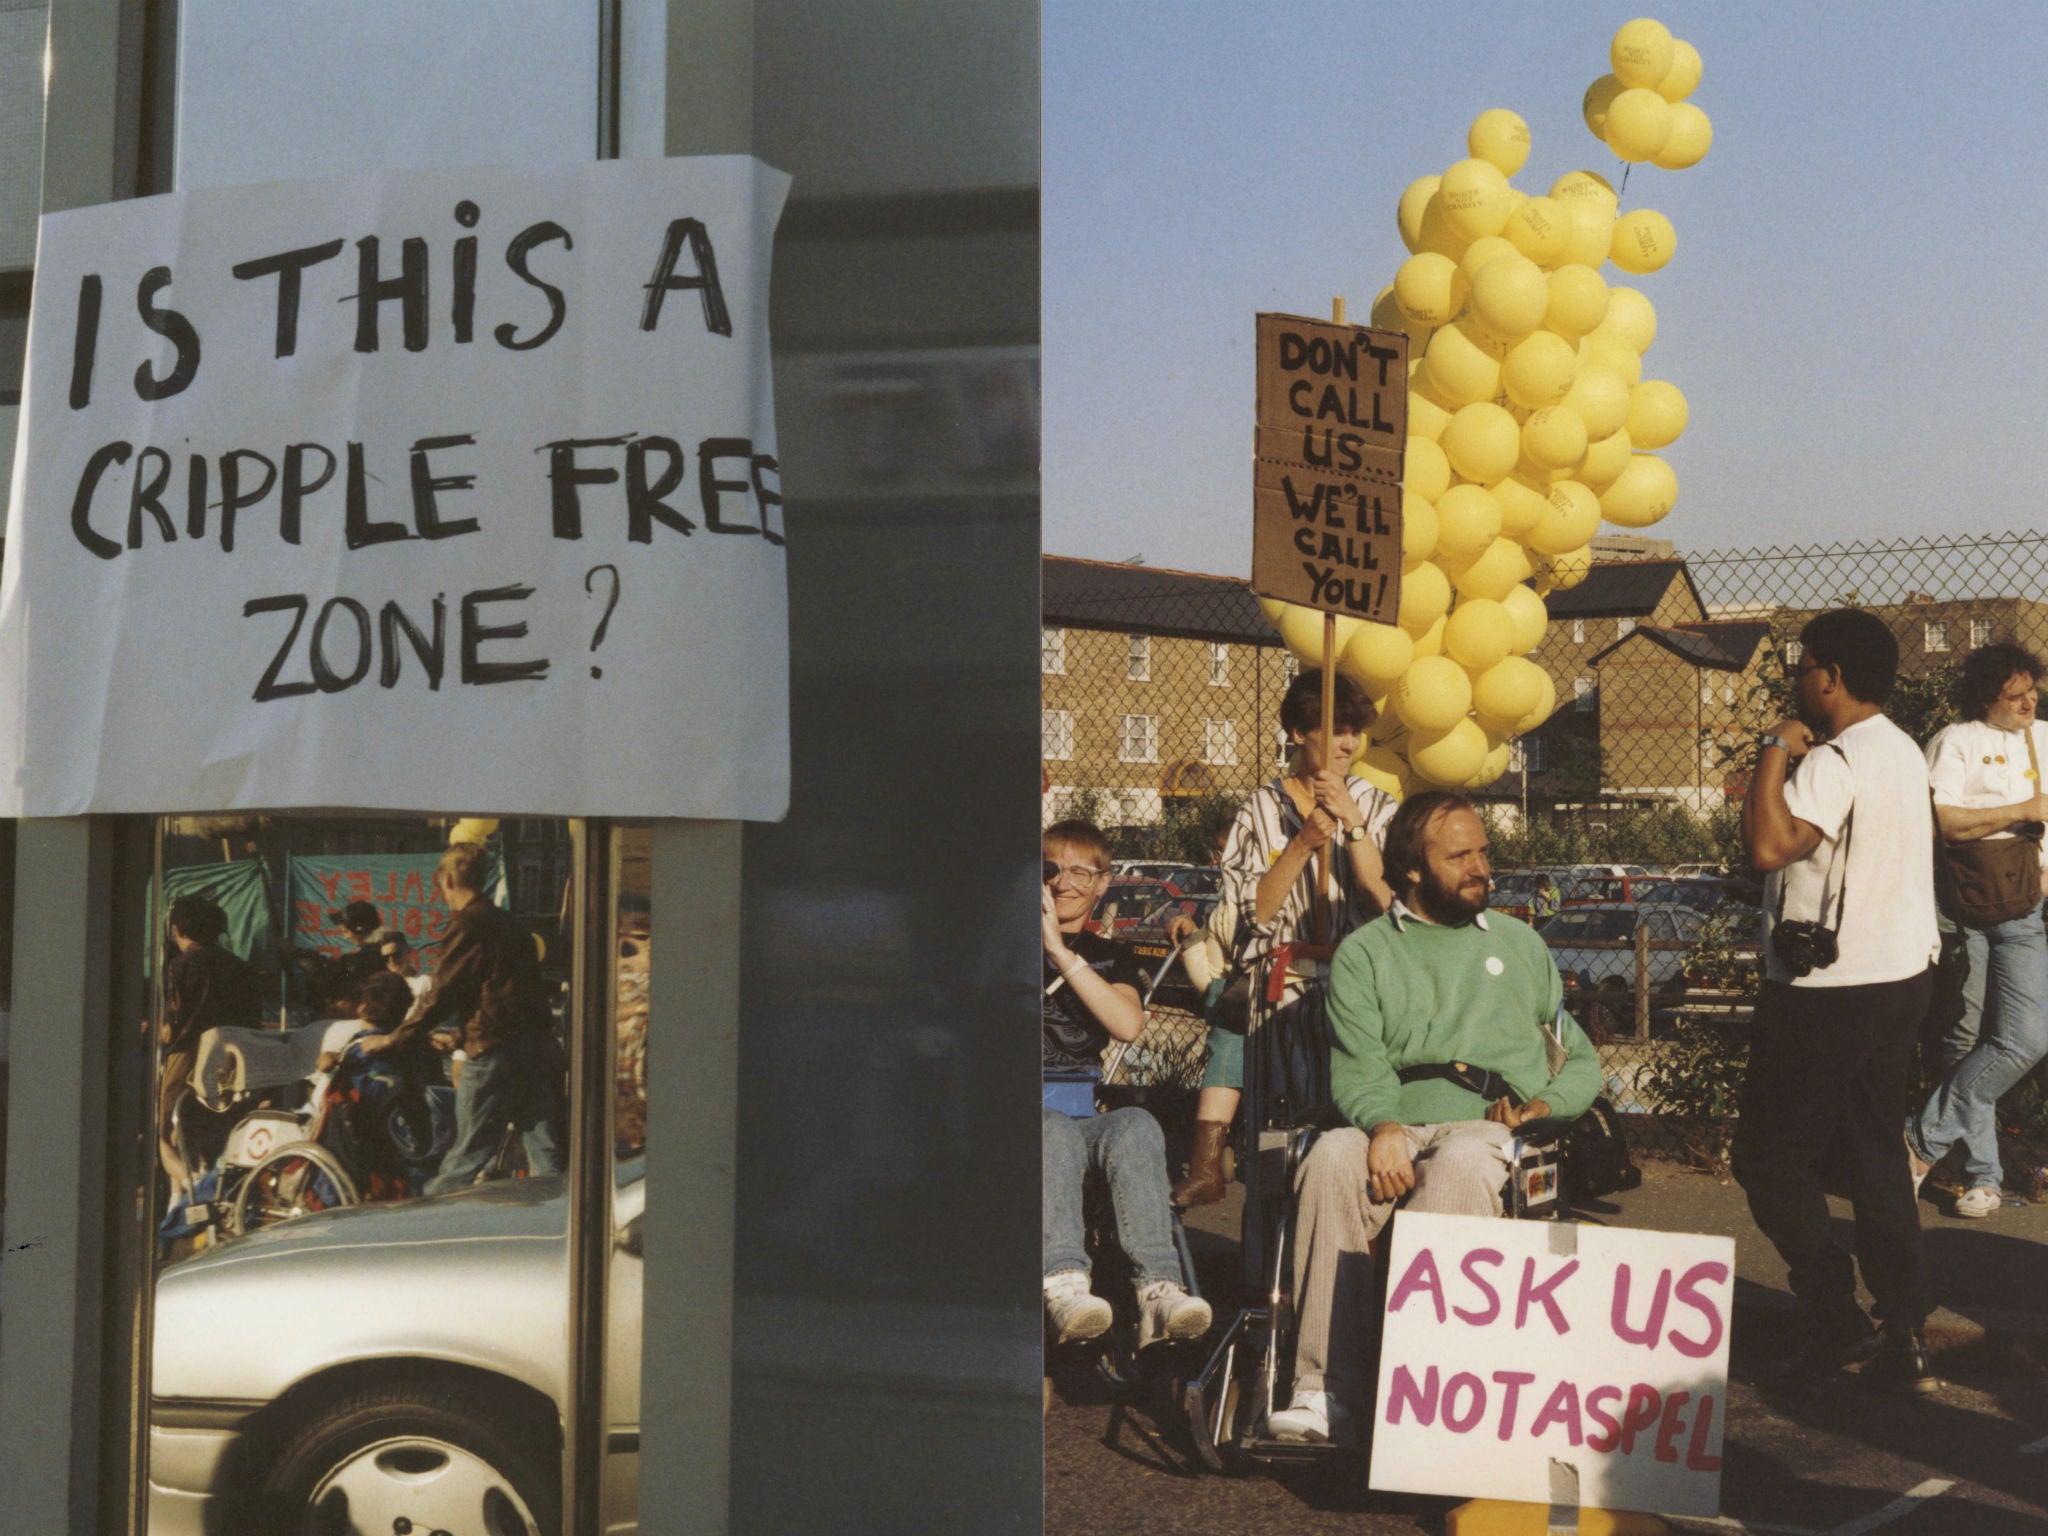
(1856, 312)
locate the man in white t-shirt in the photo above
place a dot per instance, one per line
(1847, 841)
(1986, 772)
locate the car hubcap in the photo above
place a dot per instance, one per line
(416, 1485)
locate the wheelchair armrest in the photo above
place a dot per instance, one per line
(1543, 1133)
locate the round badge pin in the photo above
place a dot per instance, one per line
(1494, 966)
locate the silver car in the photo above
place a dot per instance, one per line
(1615, 923)
(387, 1368)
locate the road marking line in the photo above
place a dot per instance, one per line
(1898, 1509)
(2036, 1447)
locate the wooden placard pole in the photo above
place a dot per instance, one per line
(1325, 870)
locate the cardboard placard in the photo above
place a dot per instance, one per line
(1331, 434)
(1517, 1349)
(432, 488)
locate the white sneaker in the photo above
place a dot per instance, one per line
(1313, 1418)
(1165, 1311)
(1072, 1311)
(1978, 1202)
(1916, 1167)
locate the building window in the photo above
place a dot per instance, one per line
(1728, 693)
(1056, 733)
(1706, 690)
(1582, 695)
(1623, 628)
(1052, 649)
(1980, 633)
(1579, 631)
(1219, 742)
(1290, 668)
(1219, 664)
(1535, 754)
(1282, 749)
(1934, 635)
(1138, 740)
(1793, 651)
(1138, 658)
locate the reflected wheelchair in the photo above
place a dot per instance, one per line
(1248, 1371)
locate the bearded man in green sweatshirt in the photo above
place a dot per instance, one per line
(1437, 1014)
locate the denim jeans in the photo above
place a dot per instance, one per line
(1127, 1147)
(1961, 1037)
(513, 1083)
(2013, 959)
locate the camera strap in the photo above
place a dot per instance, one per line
(1839, 859)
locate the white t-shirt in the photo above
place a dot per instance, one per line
(1975, 766)
(1887, 927)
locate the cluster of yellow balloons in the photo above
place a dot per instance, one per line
(1529, 418)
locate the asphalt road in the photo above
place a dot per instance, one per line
(1971, 1460)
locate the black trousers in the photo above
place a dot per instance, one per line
(1827, 1085)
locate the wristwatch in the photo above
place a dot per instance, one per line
(1765, 743)
(1352, 834)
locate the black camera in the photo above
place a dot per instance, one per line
(1803, 947)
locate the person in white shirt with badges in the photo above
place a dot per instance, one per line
(1847, 842)
(1986, 771)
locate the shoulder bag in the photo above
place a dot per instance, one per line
(1991, 880)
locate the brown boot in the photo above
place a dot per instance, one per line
(1204, 1183)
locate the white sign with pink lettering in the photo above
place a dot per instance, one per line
(1550, 1362)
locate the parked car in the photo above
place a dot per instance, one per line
(1126, 902)
(1150, 869)
(1570, 931)
(1588, 887)
(1701, 893)
(1515, 893)
(387, 1368)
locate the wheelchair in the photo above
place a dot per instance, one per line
(1248, 1371)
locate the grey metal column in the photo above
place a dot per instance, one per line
(592, 1074)
(50, 1330)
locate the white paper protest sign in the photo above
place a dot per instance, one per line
(450, 488)
(1514, 1346)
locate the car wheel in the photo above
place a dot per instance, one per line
(292, 1181)
(410, 1456)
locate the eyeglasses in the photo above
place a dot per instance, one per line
(1075, 874)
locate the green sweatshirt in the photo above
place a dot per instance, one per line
(1416, 993)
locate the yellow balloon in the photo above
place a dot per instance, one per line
(1599, 97)
(1383, 768)
(1605, 459)
(1539, 369)
(1546, 704)
(1692, 135)
(1500, 138)
(1631, 317)
(1507, 690)
(1272, 608)
(1578, 301)
(1572, 518)
(1436, 233)
(1552, 438)
(1425, 598)
(1448, 757)
(1683, 78)
(1478, 633)
(1302, 629)
(1486, 248)
(1641, 52)
(1504, 563)
(1418, 530)
(1495, 765)
(1409, 214)
(1567, 570)
(1468, 520)
(1429, 289)
(1430, 642)
(1474, 198)
(1377, 655)
(1638, 124)
(1530, 618)
(1643, 241)
(1464, 364)
(1386, 314)
(1657, 414)
(1432, 694)
(1576, 187)
(1521, 501)
(1539, 228)
(1426, 471)
(1641, 494)
(1428, 415)
(1600, 396)
(1508, 296)
(1592, 235)
(1604, 349)
(1482, 442)
(473, 829)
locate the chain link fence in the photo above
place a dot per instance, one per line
(1161, 691)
